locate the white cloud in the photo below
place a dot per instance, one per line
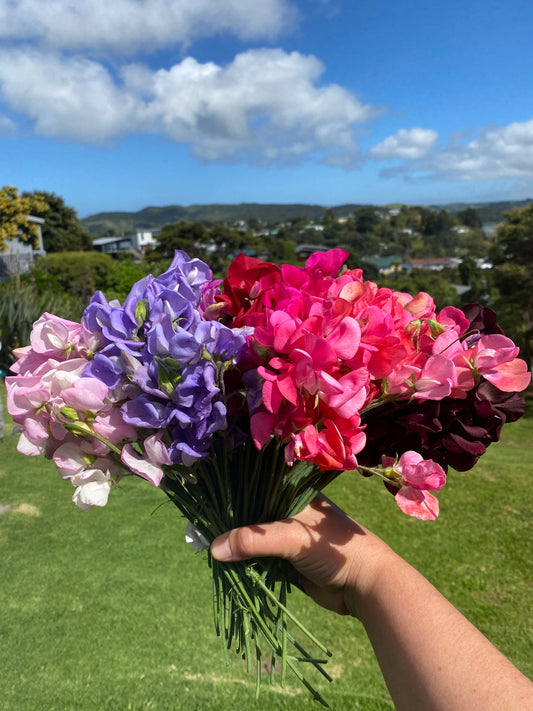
(499, 152)
(265, 101)
(266, 105)
(407, 144)
(72, 98)
(130, 26)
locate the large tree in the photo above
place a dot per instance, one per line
(512, 256)
(14, 212)
(62, 230)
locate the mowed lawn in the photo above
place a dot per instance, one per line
(110, 609)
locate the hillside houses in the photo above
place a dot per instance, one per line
(136, 243)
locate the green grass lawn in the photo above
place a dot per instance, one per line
(109, 609)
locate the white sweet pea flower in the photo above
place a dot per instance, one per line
(93, 486)
(195, 538)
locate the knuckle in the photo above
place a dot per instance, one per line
(243, 543)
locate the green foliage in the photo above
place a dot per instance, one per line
(80, 274)
(21, 304)
(62, 231)
(107, 223)
(435, 222)
(512, 255)
(437, 284)
(470, 218)
(14, 212)
(216, 245)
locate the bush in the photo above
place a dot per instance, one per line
(80, 274)
(20, 306)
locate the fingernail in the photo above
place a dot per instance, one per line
(220, 548)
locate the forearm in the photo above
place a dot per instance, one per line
(431, 657)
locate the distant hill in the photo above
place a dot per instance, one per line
(105, 223)
(489, 212)
(156, 217)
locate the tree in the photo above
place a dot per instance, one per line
(470, 218)
(215, 245)
(62, 230)
(435, 222)
(512, 256)
(14, 213)
(366, 218)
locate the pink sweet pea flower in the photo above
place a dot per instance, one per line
(494, 357)
(436, 380)
(420, 504)
(510, 377)
(416, 477)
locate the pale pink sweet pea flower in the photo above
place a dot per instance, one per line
(72, 458)
(111, 426)
(86, 395)
(53, 335)
(416, 477)
(150, 465)
(62, 376)
(33, 435)
(25, 394)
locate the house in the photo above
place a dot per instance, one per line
(137, 242)
(435, 264)
(18, 257)
(388, 265)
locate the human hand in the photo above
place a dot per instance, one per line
(328, 551)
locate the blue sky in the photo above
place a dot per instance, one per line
(124, 104)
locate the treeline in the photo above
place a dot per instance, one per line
(116, 223)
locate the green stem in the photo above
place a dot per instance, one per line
(256, 578)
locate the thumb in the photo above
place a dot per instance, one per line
(274, 539)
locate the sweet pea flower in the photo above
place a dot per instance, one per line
(415, 477)
(53, 335)
(494, 357)
(93, 487)
(436, 380)
(148, 466)
(33, 435)
(86, 395)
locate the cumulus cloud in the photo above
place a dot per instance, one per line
(72, 98)
(266, 104)
(408, 144)
(499, 152)
(129, 26)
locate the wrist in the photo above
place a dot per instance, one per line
(369, 563)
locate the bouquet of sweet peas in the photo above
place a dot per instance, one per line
(242, 399)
